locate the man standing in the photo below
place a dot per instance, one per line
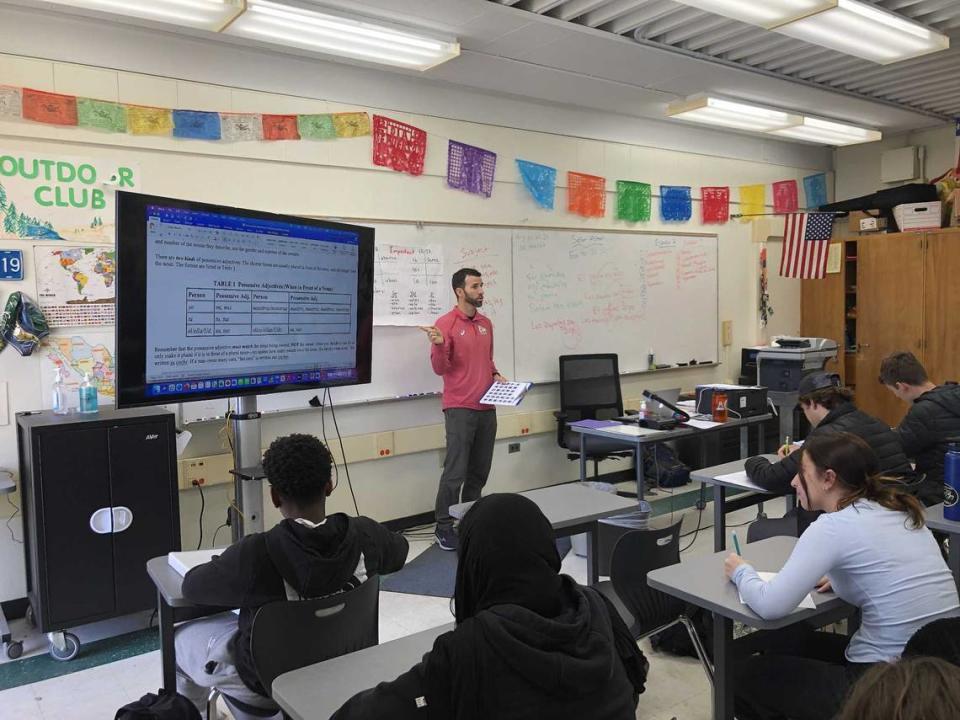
(462, 353)
(933, 418)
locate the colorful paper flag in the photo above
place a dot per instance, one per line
(142, 120)
(50, 108)
(470, 168)
(239, 127)
(806, 245)
(398, 145)
(316, 127)
(586, 194)
(540, 181)
(815, 188)
(196, 125)
(675, 203)
(351, 124)
(280, 127)
(11, 103)
(751, 200)
(633, 201)
(100, 115)
(785, 196)
(714, 205)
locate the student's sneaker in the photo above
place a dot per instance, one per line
(446, 538)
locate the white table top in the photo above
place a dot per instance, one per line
(567, 505)
(936, 521)
(318, 691)
(649, 435)
(714, 475)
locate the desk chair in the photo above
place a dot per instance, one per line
(291, 634)
(637, 553)
(589, 390)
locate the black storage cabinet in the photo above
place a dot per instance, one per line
(121, 463)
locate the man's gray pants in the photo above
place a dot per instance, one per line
(470, 438)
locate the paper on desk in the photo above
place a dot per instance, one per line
(632, 430)
(701, 424)
(686, 403)
(740, 479)
(805, 604)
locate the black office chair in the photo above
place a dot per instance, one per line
(637, 553)
(589, 390)
(291, 634)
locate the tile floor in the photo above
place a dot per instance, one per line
(676, 687)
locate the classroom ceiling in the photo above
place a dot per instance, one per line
(930, 84)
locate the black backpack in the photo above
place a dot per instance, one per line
(661, 466)
(163, 706)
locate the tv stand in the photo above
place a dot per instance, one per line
(246, 514)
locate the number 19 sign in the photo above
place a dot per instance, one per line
(11, 265)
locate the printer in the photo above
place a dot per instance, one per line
(782, 364)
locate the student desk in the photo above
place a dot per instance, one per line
(572, 509)
(699, 580)
(936, 521)
(721, 506)
(655, 436)
(172, 608)
(318, 691)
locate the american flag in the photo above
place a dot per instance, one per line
(806, 243)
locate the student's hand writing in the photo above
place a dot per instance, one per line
(823, 585)
(436, 337)
(731, 564)
(785, 450)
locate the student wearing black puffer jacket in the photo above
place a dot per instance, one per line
(829, 408)
(932, 420)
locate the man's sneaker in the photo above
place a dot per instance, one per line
(446, 538)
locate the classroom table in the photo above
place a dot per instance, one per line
(318, 691)
(700, 580)
(721, 506)
(936, 521)
(172, 608)
(572, 509)
(644, 436)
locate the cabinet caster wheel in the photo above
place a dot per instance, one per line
(14, 649)
(70, 650)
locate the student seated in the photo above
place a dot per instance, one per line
(933, 418)
(914, 689)
(528, 643)
(829, 408)
(307, 555)
(871, 547)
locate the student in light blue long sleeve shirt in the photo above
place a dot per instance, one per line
(872, 549)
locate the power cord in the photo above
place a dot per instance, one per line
(328, 398)
(203, 504)
(213, 543)
(16, 511)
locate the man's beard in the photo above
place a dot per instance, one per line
(476, 302)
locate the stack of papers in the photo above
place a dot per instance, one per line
(633, 430)
(805, 604)
(740, 479)
(186, 560)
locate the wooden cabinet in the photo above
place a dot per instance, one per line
(896, 291)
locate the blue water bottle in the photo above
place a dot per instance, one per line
(951, 482)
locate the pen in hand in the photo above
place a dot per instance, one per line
(736, 543)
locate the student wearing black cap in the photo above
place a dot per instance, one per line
(829, 408)
(528, 643)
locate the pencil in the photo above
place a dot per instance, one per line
(736, 542)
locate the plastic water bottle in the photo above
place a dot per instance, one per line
(88, 395)
(951, 482)
(61, 395)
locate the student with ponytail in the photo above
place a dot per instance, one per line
(871, 548)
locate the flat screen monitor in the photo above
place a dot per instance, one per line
(217, 302)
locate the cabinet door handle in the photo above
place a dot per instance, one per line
(122, 518)
(101, 521)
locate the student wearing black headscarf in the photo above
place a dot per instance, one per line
(528, 643)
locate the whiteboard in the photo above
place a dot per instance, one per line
(625, 293)
(401, 354)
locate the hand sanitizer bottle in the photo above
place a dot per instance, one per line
(88, 395)
(61, 395)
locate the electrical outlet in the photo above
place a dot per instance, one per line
(206, 471)
(513, 448)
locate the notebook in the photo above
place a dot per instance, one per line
(186, 560)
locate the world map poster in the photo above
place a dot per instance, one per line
(76, 285)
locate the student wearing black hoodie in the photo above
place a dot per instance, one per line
(529, 642)
(307, 555)
(932, 420)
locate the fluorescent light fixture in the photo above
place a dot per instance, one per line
(201, 14)
(765, 13)
(731, 114)
(824, 132)
(867, 32)
(342, 36)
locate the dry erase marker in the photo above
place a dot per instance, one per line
(736, 542)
